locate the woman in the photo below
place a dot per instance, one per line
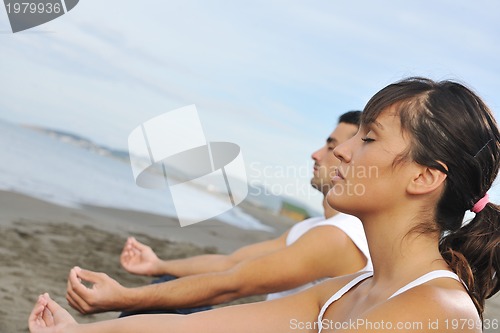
(426, 152)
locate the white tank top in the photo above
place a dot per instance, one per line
(349, 224)
(421, 280)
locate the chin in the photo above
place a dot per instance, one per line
(339, 203)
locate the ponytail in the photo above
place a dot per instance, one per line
(473, 252)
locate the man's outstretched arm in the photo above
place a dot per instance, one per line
(138, 258)
(322, 252)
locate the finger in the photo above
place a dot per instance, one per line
(126, 254)
(36, 311)
(47, 314)
(138, 245)
(60, 315)
(69, 291)
(125, 259)
(78, 303)
(124, 251)
(126, 246)
(35, 319)
(73, 303)
(135, 252)
(87, 275)
(130, 243)
(47, 317)
(52, 305)
(75, 282)
(77, 293)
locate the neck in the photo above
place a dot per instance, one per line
(328, 210)
(397, 253)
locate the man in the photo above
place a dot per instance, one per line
(311, 250)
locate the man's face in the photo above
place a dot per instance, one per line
(325, 162)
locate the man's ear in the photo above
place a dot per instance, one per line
(426, 180)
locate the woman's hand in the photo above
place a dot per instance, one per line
(49, 317)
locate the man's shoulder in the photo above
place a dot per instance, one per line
(301, 227)
(340, 220)
(343, 221)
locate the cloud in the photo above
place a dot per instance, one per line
(275, 73)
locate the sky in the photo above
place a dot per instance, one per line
(271, 76)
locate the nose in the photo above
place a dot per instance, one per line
(317, 155)
(343, 151)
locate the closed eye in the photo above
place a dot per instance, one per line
(367, 139)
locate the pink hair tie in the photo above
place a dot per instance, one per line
(480, 204)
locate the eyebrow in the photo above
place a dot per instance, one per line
(330, 140)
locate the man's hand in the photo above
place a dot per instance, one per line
(105, 294)
(49, 317)
(140, 259)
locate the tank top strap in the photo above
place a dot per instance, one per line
(426, 278)
(341, 293)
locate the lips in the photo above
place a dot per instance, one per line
(339, 174)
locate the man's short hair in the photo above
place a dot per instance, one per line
(351, 117)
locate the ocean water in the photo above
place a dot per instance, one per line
(46, 168)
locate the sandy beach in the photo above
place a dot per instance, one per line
(41, 242)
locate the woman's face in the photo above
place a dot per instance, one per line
(368, 179)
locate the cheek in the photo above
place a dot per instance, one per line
(368, 188)
(331, 161)
(360, 198)
(329, 166)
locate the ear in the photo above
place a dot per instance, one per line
(426, 180)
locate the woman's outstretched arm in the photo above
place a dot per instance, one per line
(283, 315)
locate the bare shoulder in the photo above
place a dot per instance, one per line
(440, 306)
(329, 251)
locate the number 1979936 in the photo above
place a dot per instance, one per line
(33, 8)
(461, 324)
